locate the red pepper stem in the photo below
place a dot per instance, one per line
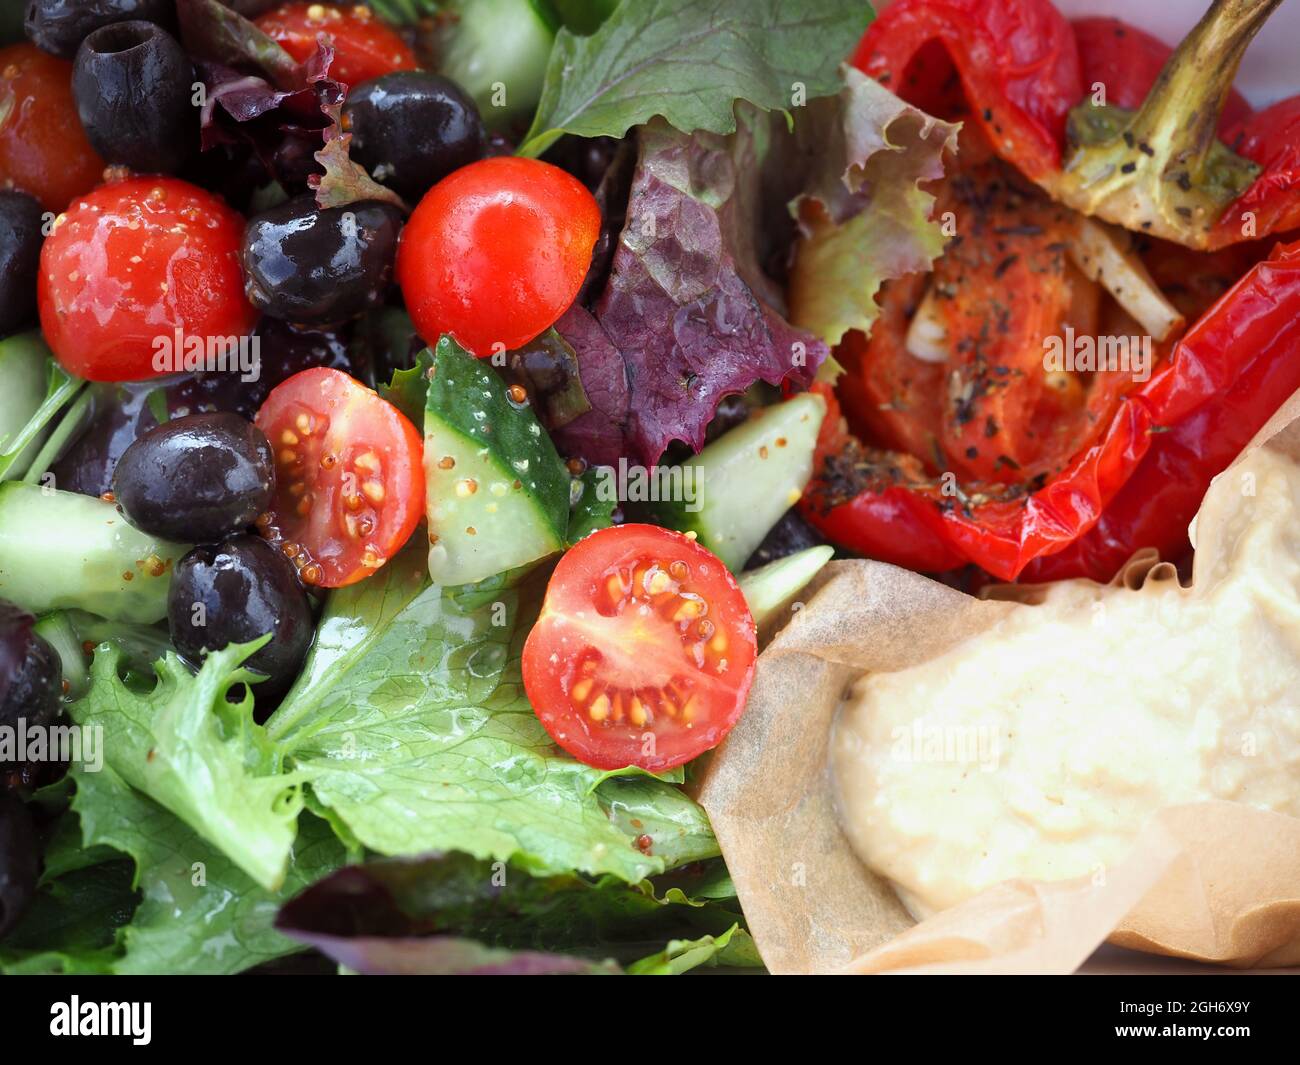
(1163, 171)
(1179, 119)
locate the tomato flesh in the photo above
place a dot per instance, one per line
(132, 263)
(644, 651)
(496, 252)
(43, 149)
(364, 47)
(349, 478)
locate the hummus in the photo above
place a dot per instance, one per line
(1039, 748)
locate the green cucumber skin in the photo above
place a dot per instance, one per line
(518, 508)
(746, 480)
(491, 36)
(60, 550)
(24, 361)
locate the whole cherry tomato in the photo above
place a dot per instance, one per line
(496, 252)
(364, 47)
(43, 149)
(132, 268)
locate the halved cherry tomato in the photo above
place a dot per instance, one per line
(132, 263)
(43, 149)
(364, 47)
(496, 252)
(349, 481)
(644, 651)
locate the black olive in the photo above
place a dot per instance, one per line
(411, 129)
(21, 235)
(20, 861)
(320, 267)
(196, 478)
(788, 536)
(59, 26)
(119, 415)
(31, 673)
(283, 349)
(133, 83)
(234, 592)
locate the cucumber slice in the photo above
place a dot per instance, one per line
(497, 491)
(770, 589)
(61, 550)
(487, 37)
(58, 630)
(747, 478)
(33, 391)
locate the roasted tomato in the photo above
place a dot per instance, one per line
(43, 149)
(644, 651)
(496, 252)
(364, 47)
(349, 477)
(133, 266)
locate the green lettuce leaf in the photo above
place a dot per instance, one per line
(411, 722)
(128, 888)
(733, 949)
(690, 63)
(864, 217)
(199, 913)
(73, 923)
(202, 757)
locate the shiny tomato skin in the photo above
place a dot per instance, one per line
(43, 149)
(364, 47)
(644, 651)
(496, 252)
(349, 476)
(131, 263)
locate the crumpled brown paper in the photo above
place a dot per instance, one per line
(1212, 881)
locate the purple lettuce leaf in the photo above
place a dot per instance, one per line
(687, 317)
(447, 956)
(450, 912)
(287, 112)
(599, 435)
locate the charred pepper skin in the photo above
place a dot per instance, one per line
(1138, 483)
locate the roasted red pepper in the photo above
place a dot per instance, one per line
(963, 467)
(1028, 77)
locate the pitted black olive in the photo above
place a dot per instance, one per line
(20, 861)
(133, 85)
(234, 592)
(31, 674)
(411, 129)
(21, 221)
(283, 349)
(320, 267)
(59, 26)
(196, 478)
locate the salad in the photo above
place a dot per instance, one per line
(417, 416)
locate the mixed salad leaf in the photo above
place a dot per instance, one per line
(690, 63)
(186, 745)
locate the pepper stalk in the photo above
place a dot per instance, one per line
(1162, 169)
